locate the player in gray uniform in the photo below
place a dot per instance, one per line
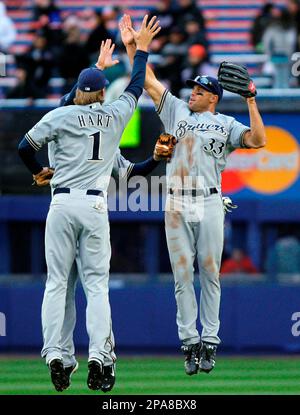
(205, 139)
(122, 169)
(87, 136)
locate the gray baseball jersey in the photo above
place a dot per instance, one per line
(85, 139)
(204, 139)
(121, 170)
(121, 166)
(204, 142)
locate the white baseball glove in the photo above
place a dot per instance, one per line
(227, 204)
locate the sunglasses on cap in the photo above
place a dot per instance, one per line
(207, 82)
(203, 80)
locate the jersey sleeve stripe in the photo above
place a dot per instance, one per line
(129, 170)
(32, 142)
(242, 144)
(132, 96)
(162, 101)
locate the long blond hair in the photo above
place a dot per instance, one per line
(85, 98)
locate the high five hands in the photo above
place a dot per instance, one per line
(105, 59)
(141, 38)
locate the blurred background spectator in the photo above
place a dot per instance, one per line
(34, 70)
(24, 87)
(238, 263)
(188, 10)
(7, 30)
(268, 13)
(196, 64)
(46, 8)
(173, 54)
(111, 16)
(98, 33)
(47, 18)
(279, 42)
(283, 259)
(166, 16)
(74, 56)
(293, 7)
(195, 33)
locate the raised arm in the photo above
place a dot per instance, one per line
(152, 85)
(235, 78)
(142, 40)
(256, 137)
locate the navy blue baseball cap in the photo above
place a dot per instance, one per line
(207, 82)
(91, 80)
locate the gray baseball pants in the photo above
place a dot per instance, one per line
(186, 240)
(74, 219)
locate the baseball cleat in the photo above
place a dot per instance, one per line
(69, 370)
(109, 378)
(59, 377)
(207, 357)
(191, 363)
(95, 375)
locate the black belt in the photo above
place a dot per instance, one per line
(192, 192)
(68, 190)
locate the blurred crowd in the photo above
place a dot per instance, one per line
(276, 32)
(63, 44)
(62, 47)
(8, 32)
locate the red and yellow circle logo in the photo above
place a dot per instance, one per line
(268, 170)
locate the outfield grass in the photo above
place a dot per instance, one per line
(157, 375)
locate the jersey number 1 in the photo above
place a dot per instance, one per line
(96, 146)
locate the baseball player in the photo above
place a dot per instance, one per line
(205, 138)
(122, 169)
(86, 138)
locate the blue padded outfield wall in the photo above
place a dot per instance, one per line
(253, 317)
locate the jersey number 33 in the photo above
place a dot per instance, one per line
(215, 148)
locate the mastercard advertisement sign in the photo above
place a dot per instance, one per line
(268, 170)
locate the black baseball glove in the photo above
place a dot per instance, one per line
(235, 78)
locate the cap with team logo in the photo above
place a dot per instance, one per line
(91, 80)
(207, 82)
